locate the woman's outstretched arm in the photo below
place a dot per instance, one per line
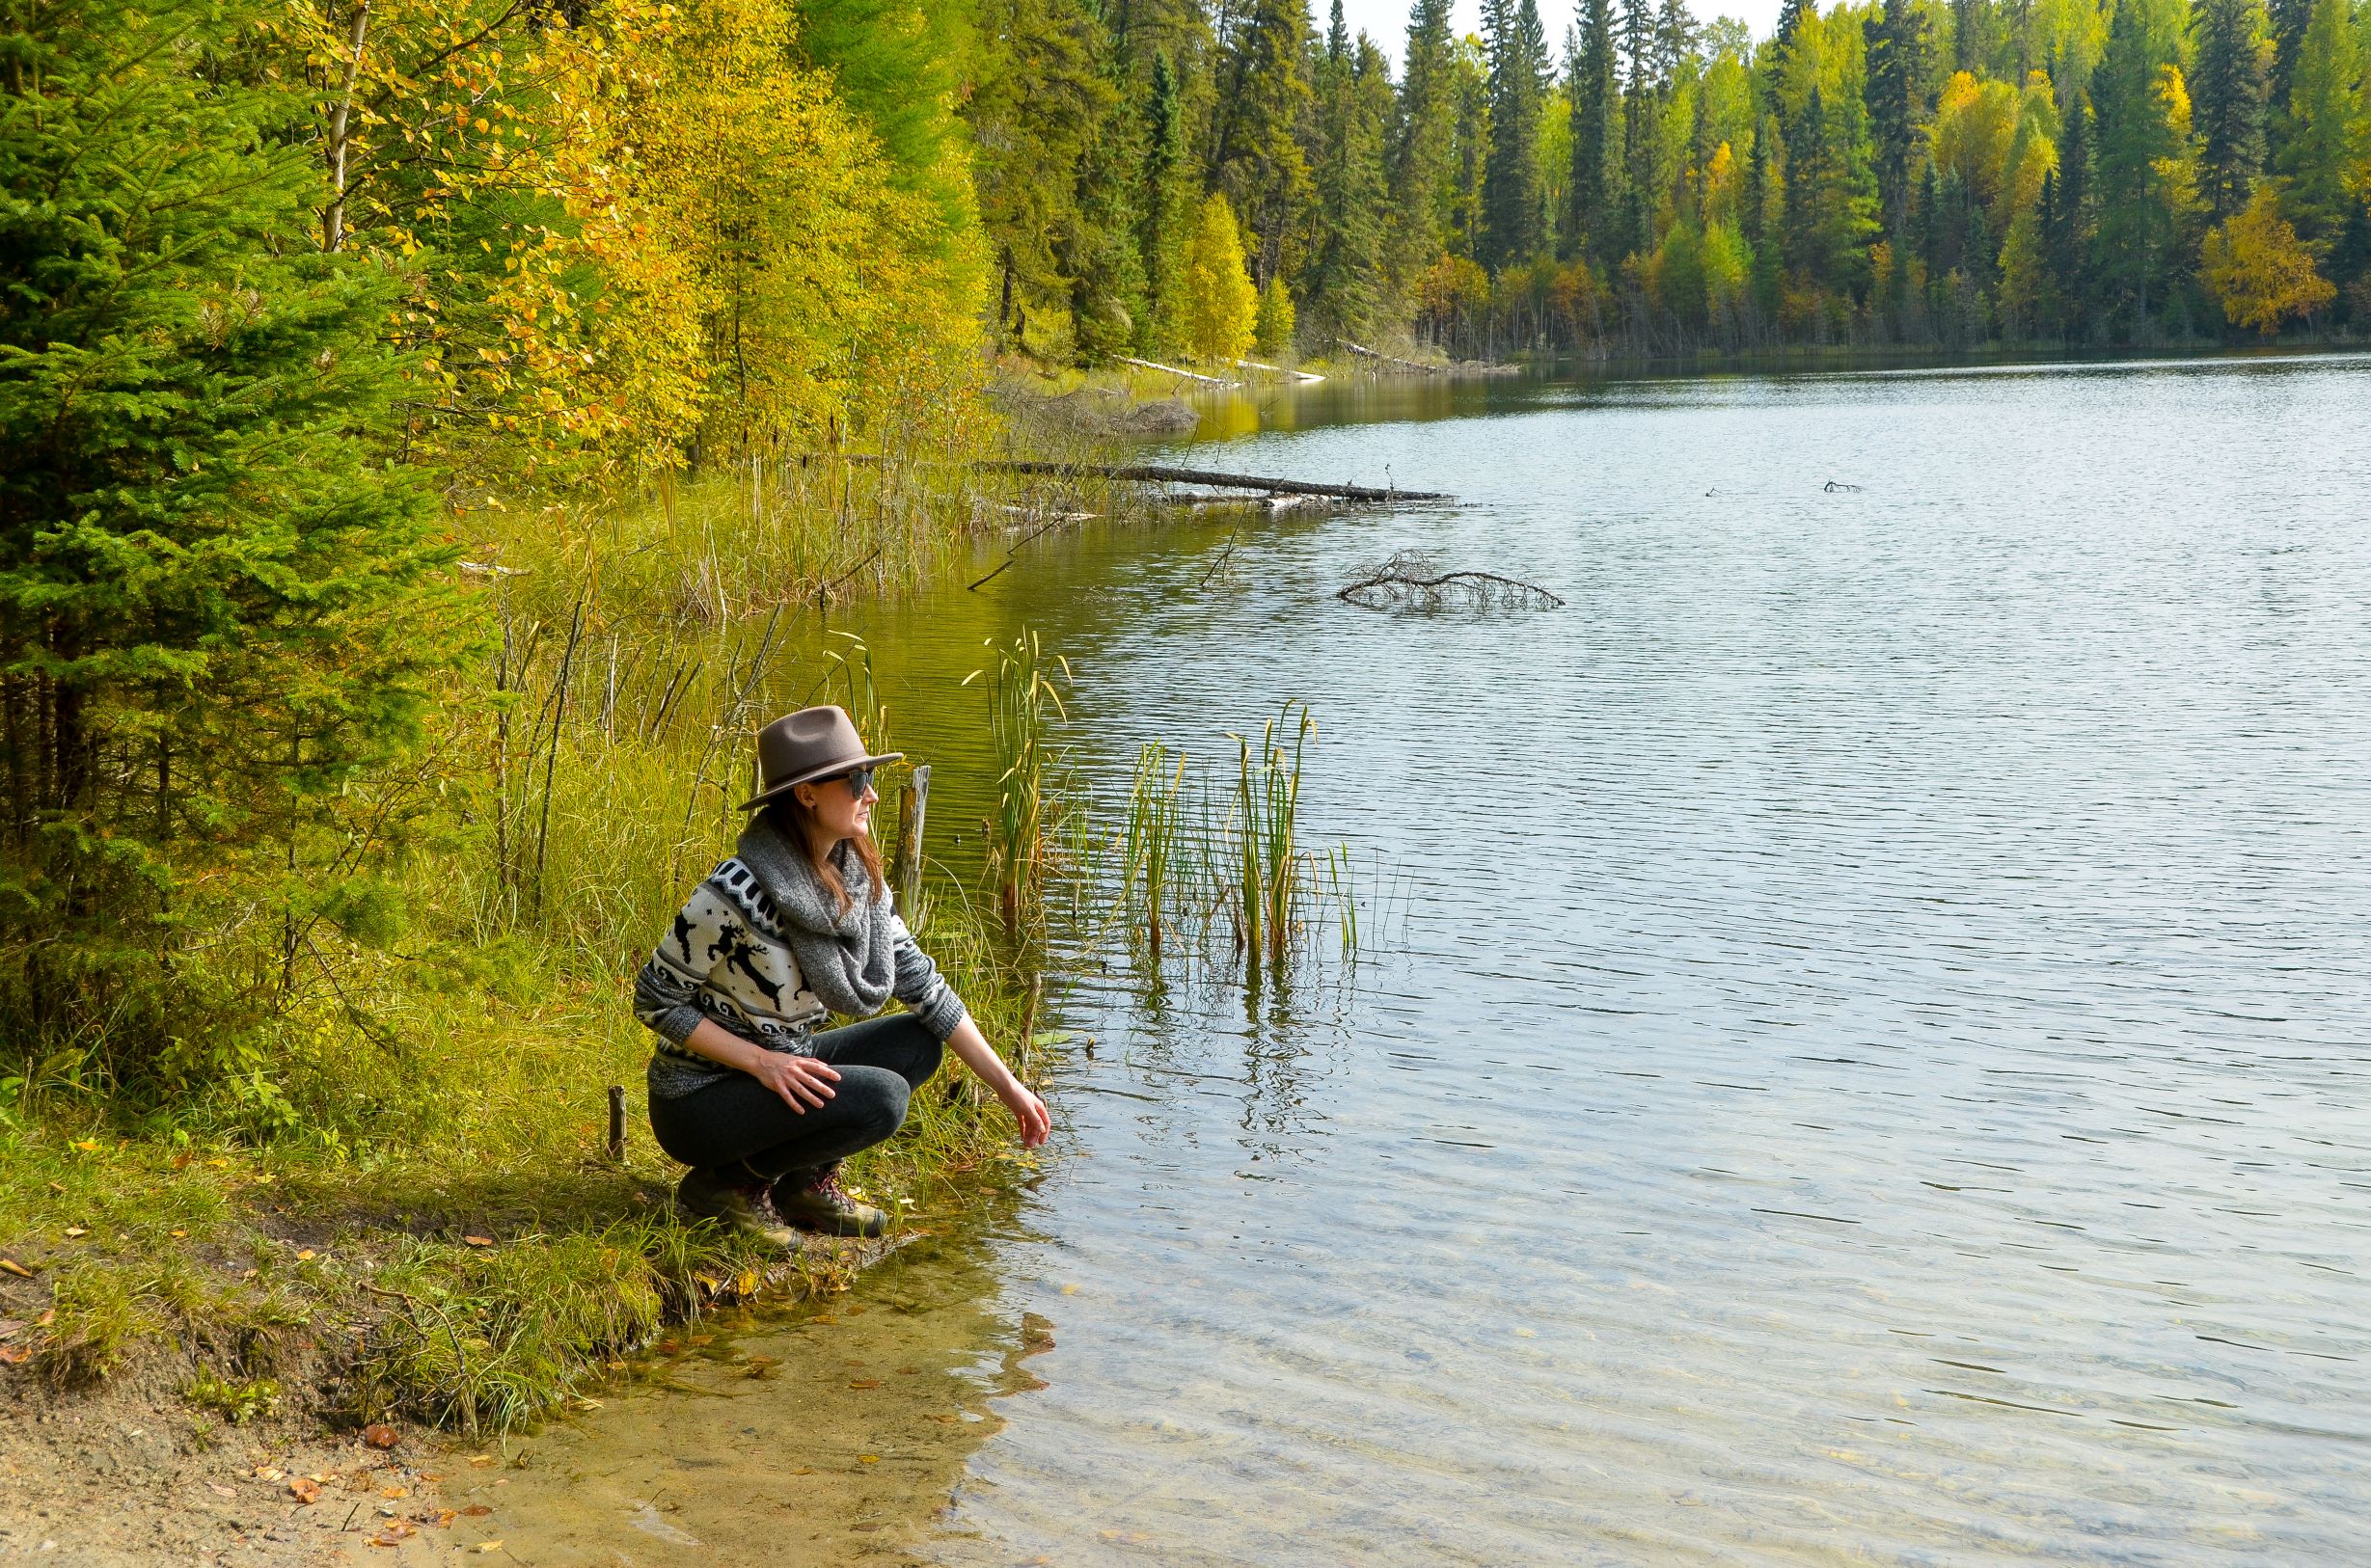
(972, 1049)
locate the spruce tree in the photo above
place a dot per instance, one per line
(1040, 95)
(2326, 128)
(1166, 214)
(215, 600)
(2227, 84)
(1591, 224)
(2137, 162)
(2289, 19)
(1513, 218)
(1256, 150)
(1469, 146)
(2067, 241)
(1344, 293)
(1421, 147)
(1900, 63)
(1638, 126)
(1972, 36)
(1674, 37)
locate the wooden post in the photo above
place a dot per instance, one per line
(912, 810)
(617, 1122)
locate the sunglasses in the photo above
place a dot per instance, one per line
(860, 779)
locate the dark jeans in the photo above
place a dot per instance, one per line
(740, 1123)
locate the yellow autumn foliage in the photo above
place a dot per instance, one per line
(1999, 140)
(2260, 270)
(646, 237)
(1221, 308)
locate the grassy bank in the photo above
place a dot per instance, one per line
(384, 1191)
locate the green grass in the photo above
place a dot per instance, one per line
(292, 1199)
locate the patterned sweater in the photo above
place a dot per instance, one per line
(726, 960)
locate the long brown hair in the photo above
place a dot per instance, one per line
(792, 818)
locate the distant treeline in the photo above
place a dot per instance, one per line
(1890, 172)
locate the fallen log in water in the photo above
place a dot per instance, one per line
(1158, 474)
(1417, 366)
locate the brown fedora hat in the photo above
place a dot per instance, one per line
(811, 743)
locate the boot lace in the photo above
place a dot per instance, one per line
(827, 1185)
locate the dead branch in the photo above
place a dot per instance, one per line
(1412, 580)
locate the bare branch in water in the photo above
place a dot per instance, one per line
(1412, 580)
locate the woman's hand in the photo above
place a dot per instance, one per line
(1027, 1110)
(972, 1049)
(801, 1080)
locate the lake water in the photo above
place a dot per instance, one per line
(1868, 1061)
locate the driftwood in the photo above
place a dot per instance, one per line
(1304, 377)
(1413, 580)
(1160, 473)
(1173, 371)
(1157, 474)
(1417, 366)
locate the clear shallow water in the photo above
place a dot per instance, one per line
(1872, 1064)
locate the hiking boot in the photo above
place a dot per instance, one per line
(744, 1207)
(818, 1203)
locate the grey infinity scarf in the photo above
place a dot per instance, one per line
(849, 961)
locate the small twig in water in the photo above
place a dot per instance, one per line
(1224, 555)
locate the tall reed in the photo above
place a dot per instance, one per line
(1149, 843)
(1273, 878)
(1024, 701)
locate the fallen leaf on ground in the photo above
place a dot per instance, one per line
(477, 1510)
(395, 1491)
(864, 1381)
(479, 1242)
(489, 1546)
(441, 1518)
(76, 1230)
(15, 1267)
(304, 1489)
(222, 1491)
(265, 1473)
(481, 1460)
(15, 1354)
(379, 1435)
(868, 1459)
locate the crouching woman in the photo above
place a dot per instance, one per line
(797, 925)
